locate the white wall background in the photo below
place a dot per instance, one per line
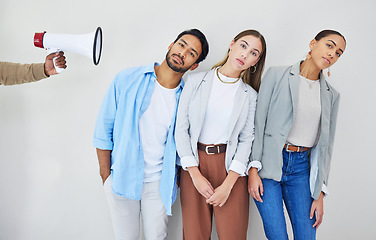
(49, 182)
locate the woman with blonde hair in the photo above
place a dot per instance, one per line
(214, 134)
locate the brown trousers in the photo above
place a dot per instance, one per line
(231, 219)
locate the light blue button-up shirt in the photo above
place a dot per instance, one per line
(117, 129)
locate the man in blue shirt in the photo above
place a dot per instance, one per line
(134, 137)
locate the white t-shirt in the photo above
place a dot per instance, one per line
(307, 118)
(154, 126)
(219, 109)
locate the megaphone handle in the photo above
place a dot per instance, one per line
(51, 50)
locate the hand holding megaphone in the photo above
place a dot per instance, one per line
(89, 45)
(55, 65)
(54, 62)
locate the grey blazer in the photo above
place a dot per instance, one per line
(190, 119)
(276, 108)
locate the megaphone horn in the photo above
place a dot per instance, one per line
(89, 45)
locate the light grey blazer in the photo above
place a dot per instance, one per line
(191, 115)
(276, 109)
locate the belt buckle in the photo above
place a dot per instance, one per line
(207, 150)
(287, 147)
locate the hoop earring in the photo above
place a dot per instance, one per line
(329, 72)
(254, 70)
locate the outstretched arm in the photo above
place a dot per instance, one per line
(17, 73)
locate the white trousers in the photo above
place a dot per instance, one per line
(126, 213)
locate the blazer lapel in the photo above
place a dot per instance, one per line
(240, 100)
(294, 86)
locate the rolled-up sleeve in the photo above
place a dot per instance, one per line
(103, 134)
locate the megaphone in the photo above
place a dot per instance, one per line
(89, 45)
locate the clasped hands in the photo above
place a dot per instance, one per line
(215, 197)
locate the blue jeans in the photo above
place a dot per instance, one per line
(294, 190)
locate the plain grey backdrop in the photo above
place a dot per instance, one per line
(49, 180)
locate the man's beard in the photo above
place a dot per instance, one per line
(174, 67)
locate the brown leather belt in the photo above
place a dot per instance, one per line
(212, 149)
(292, 148)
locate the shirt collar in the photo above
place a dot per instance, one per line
(150, 68)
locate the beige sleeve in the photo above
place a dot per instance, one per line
(16, 73)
